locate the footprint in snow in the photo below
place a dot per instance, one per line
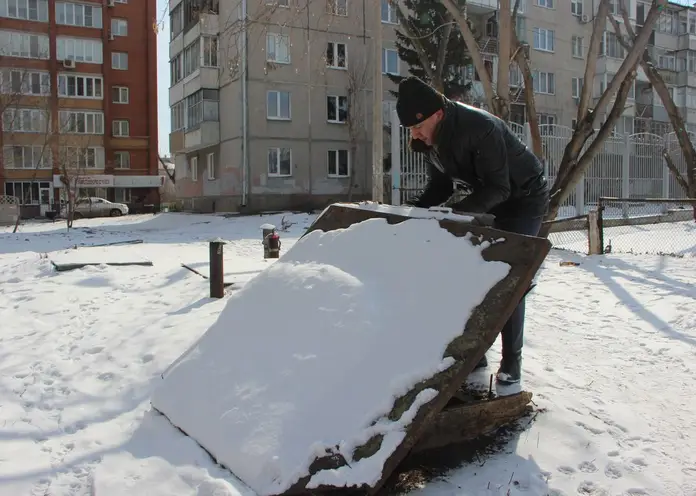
(613, 470)
(565, 469)
(590, 488)
(587, 467)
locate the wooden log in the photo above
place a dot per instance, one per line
(468, 421)
(594, 238)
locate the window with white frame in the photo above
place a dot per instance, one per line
(576, 44)
(336, 55)
(119, 94)
(78, 14)
(642, 9)
(25, 120)
(278, 3)
(192, 57)
(668, 22)
(119, 61)
(120, 128)
(25, 82)
(666, 61)
(210, 165)
(179, 115)
(576, 87)
(609, 46)
(390, 61)
(193, 168)
(338, 163)
(278, 48)
(78, 157)
(29, 192)
(337, 7)
(176, 20)
(543, 39)
(544, 82)
(122, 160)
(121, 1)
(81, 122)
(278, 105)
(28, 10)
(548, 4)
(27, 156)
(119, 27)
(576, 7)
(79, 49)
(389, 15)
(279, 162)
(176, 69)
(516, 79)
(203, 105)
(78, 86)
(336, 109)
(25, 45)
(210, 51)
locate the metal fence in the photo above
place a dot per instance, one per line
(627, 166)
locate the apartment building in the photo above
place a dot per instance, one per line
(276, 112)
(78, 91)
(558, 32)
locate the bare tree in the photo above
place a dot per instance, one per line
(647, 63)
(358, 80)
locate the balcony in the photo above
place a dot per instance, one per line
(206, 134)
(684, 78)
(201, 78)
(687, 42)
(477, 7)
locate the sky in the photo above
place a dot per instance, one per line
(163, 77)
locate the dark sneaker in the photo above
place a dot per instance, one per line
(510, 371)
(482, 363)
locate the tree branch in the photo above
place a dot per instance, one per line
(417, 45)
(592, 55)
(505, 48)
(438, 79)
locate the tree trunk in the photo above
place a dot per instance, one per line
(504, 51)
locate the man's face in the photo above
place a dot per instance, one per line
(425, 131)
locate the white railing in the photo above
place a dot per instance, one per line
(627, 166)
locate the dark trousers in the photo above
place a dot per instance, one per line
(513, 331)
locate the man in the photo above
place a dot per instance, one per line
(477, 151)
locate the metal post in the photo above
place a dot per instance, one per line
(217, 278)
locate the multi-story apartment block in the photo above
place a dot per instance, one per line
(277, 112)
(261, 111)
(78, 91)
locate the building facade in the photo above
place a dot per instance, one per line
(277, 112)
(78, 94)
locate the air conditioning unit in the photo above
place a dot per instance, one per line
(585, 18)
(111, 36)
(110, 3)
(69, 64)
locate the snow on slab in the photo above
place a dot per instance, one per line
(99, 255)
(439, 213)
(314, 350)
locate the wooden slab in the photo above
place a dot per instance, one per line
(524, 254)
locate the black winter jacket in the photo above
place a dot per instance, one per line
(480, 153)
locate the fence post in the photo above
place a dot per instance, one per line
(395, 157)
(594, 229)
(217, 279)
(625, 173)
(665, 178)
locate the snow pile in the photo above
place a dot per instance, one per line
(438, 213)
(309, 356)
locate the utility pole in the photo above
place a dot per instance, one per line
(377, 125)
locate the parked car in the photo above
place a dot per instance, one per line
(95, 207)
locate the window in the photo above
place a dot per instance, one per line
(193, 168)
(336, 55)
(609, 46)
(337, 109)
(339, 163)
(546, 123)
(79, 49)
(176, 20)
(29, 192)
(81, 122)
(544, 82)
(178, 116)
(389, 13)
(122, 195)
(192, 57)
(548, 4)
(543, 39)
(120, 127)
(24, 45)
(278, 105)
(25, 82)
(122, 160)
(668, 22)
(210, 166)
(78, 157)
(30, 10)
(390, 61)
(278, 3)
(576, 84)
(119, 60)
(79, 86)
(210, 51)
(25, 120)
(119, 94)
(576, 7)
(387, 107)
(279, 162)
(337, 7)
(119, 27)
(576, 44)
(77, 14)
(202, 105)
(27, 157)
(176, 68)
(278, 48)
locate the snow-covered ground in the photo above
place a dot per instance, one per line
(609, 355)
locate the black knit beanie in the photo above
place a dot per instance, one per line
(417, 101)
